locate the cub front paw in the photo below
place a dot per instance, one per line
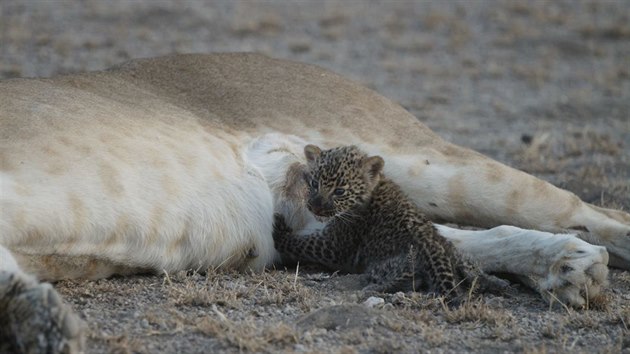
(280, 227)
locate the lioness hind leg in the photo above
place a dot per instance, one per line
(33, 318)
(559, 266)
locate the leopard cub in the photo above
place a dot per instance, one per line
(374, 228)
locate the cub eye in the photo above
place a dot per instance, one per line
(314, 184)
(339, 191)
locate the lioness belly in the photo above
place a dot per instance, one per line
(122, 197)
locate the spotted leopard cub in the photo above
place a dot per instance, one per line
(374, 228)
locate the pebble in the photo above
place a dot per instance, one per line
(495, 302)
(388, 307)
(374, 301)
(398, 298)
(299, 348)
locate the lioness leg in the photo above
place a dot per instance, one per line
(559, 264)
(33, 318)
(458, 185)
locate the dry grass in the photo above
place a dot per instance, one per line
(255, 20)
(168, 319)
(248, 335)
(623, 318)
(197, 290)
(124, 345)
(300, 46)
(230, 289)
(534, 74)
(553, 329)
(476, 312)
(618, 31)
(258, 312)
(333, 20)
(549, 152)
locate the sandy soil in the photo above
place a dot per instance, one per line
(542, 86)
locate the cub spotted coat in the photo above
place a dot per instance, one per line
(374, 229)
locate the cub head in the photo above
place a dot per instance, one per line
(340, 179)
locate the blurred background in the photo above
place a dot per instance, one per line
(543, 86)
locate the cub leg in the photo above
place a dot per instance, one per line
(33, 318)
(470, 272)
(474, 276)
(316, 248)
(419, 269)
(562, 264)
(394, 274)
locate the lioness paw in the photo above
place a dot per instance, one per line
(33, 318)
(578, 274)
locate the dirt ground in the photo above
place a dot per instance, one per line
(541, 86)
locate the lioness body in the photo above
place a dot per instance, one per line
(151, 156)
(154, 165)
(180, 162)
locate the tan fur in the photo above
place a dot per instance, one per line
(180, 162)
(158, 141)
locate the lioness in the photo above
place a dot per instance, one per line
(178, 162)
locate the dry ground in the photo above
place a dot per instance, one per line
(542, 86)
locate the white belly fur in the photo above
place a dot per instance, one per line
(200, 206)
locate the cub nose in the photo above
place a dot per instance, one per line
(316, 202)
(317, 210)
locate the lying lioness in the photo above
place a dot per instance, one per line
(180, 162)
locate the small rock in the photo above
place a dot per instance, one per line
(299, 348)
(374, 301)
(319, 331)
(337, 317)
(144, 323)
(398, 298)
(495, 302)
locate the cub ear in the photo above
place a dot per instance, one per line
(373, 165)
(311, 152)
